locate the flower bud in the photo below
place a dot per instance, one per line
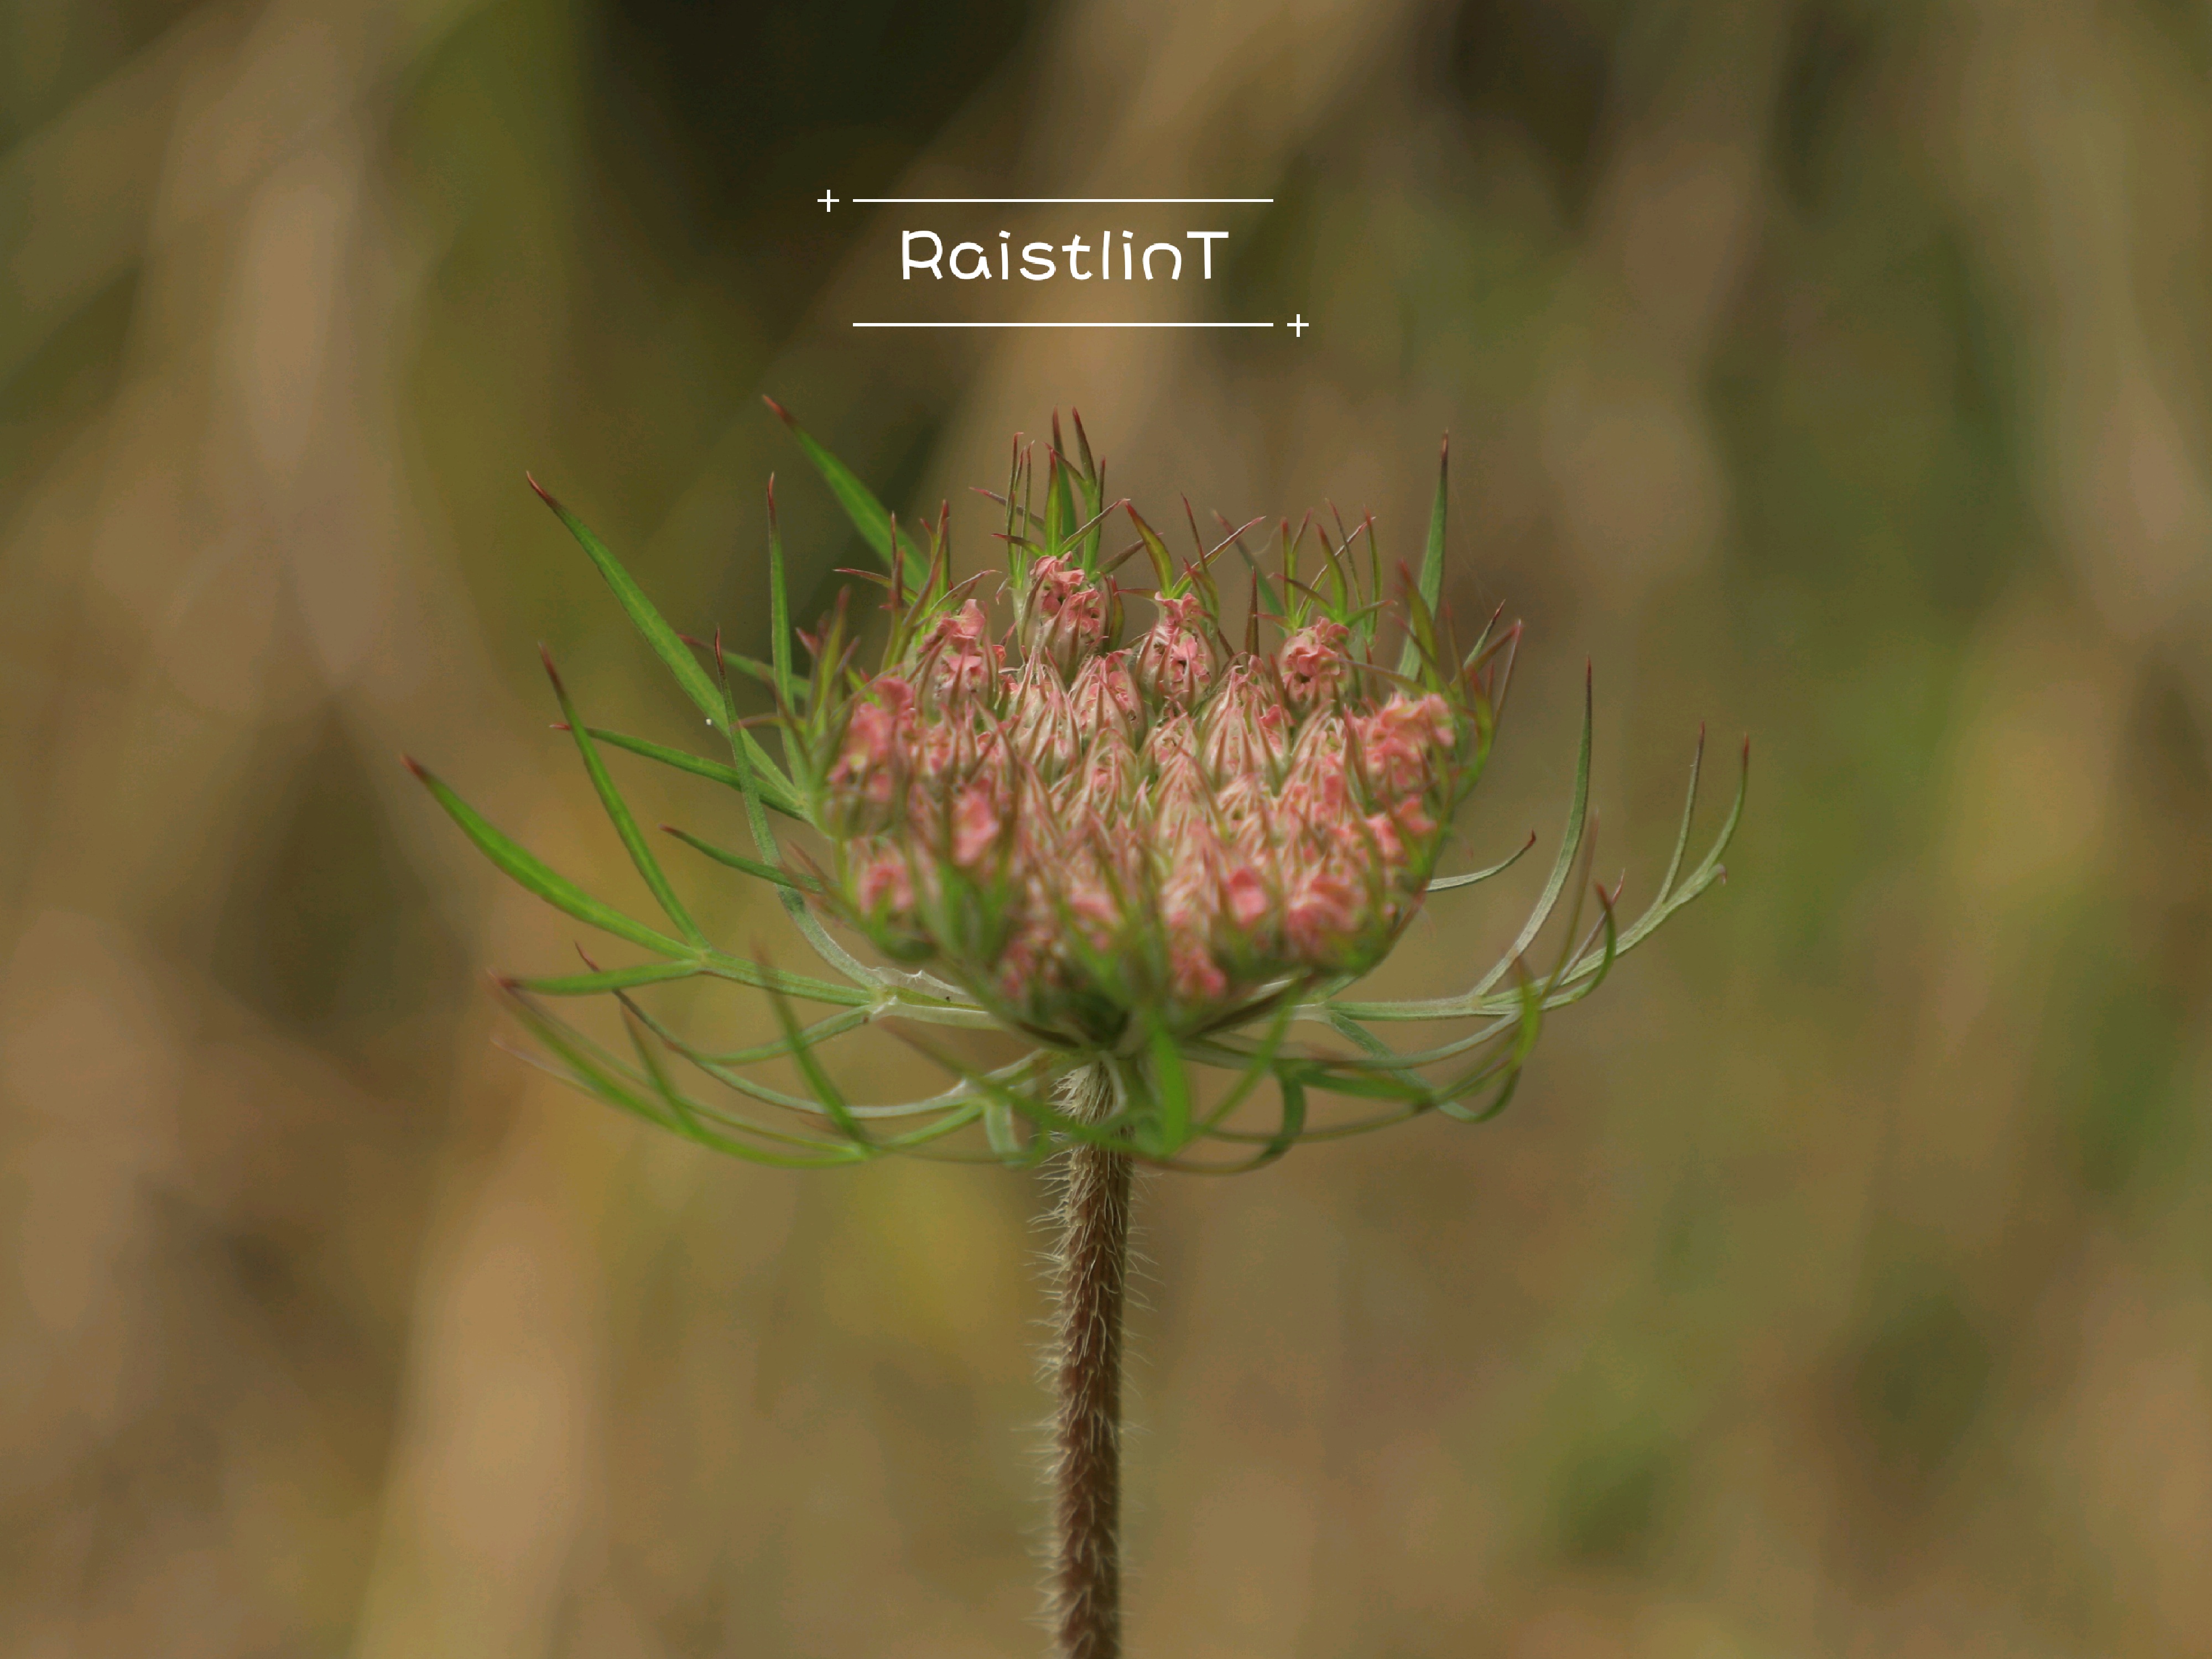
(1063, 615)
(1104, 698)
(1041, 723)
(1244, 730)
(865, 789)
(964, 664)
(1148, 825)
(1174, 661)
(1313, 664)
(1401, 741)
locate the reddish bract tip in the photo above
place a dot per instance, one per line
(543, 494)
(506, 982)
(415, 767)
(778, 410)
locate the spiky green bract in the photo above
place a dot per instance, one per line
(1122, 1012)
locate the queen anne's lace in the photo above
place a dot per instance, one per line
(1145, 849)
(1069, 830)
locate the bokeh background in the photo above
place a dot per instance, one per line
(1832, 370)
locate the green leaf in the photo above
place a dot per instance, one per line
(618, 812)
(597, 1074)
(1290, 1090)
(794, 905)
(1155, 549)
(608, 979)
(1446, 883)
(739, 861)
(1431, 583)
(723, 1067)
(723, 965)
(1379, 1055)
(664, 640)
(1689, 812)
(1710, 865)
(1570, 847)
(1294, 1119)
(667, 644)
(828, 1026)
(1058, 504)
(1588, 972)
(869, 515)
(1270, 603)
(698, 765)
(998, 1130)
(533, 874)
(992, 1086)
(1261, 1061)
(951, 1122)
(1532, 1022)
(1672, 898)
(779, 609)
(833, 1101)
(683, 760)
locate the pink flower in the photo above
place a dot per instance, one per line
(869, 774)
(1245, 898)
(1064, 615)
(1243, 808)
(966, 665)
(1194, 977)
(1101, 781)
(1322, 914)
(1045, 731)
(1376, 830)
(1104, 698)
(975, 824)
(1313, 664)
(1400, 741)
(1244, 731)
(1174, 661)
(883, 881)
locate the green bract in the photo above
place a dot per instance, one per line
(1161, 858)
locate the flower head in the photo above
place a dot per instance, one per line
(1209, 871)
(1144, 854)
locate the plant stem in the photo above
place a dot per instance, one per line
(1090, 1279)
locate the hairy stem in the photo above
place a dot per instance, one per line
(1091, 1277)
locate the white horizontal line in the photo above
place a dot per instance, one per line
(1077, 201)
(1063, 325)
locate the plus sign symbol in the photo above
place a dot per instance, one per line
(828, 200)
(1299, 326)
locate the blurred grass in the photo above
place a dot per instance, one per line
(1833, 370)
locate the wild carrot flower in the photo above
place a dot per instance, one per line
(1146, 831)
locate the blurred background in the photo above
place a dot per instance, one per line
(1833, 370)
